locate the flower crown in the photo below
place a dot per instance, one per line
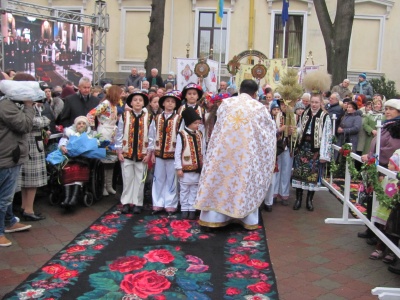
(217, 97)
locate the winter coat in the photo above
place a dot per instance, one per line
(351, 124)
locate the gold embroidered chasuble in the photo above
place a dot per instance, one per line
(240, 159)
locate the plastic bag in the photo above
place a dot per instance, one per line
(22, 90)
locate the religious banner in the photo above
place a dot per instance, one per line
(275, 69)
(185, 72)
(306, 70)
(210, 81)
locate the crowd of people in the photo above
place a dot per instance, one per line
(193, 144)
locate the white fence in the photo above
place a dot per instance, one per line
(381, 292)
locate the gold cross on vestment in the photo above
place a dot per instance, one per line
(237, 120)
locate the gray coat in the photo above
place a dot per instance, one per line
(351, 124)
(15, 123)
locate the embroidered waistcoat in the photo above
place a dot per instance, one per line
(192, 157)
(317, 125)
(136, 138)
(166, 133)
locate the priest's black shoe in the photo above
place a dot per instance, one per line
(185, 214)
(137, 210)
(125, 209)
(192, 215)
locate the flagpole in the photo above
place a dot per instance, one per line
(220, 54)
(284, 41)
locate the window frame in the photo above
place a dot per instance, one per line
(227, 14)
(304, 36)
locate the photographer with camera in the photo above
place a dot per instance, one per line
(52, 105)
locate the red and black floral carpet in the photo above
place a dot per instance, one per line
(155, 257)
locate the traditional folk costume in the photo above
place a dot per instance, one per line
(189, 153)
(315, 144)
(199, 109)
(164, 131)
(284, 162)
(132, 141)
(239, 163)
(107, 115)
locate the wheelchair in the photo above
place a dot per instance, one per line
(89, 171)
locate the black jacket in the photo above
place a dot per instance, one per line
(75, 106)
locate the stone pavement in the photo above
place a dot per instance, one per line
(311, 260)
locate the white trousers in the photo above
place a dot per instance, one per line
(164, 190)
(282, 178)
(189, 185)
(133, 187)
(269, 199)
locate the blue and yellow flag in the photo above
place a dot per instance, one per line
(285, 12)
(220, 11)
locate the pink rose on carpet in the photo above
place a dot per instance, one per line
(258, 264)
(127, 264)
(54, 269)
(144, 284)
(391, 189)
(232, 291)
(98, 247)
(260, 287)
(238, 259)
(197, 268)
(180, 225)
(76, 248)
(111, 216)
(181, 234)
(232, 241)
(194, 259)
(109, 231)
(203, 237)
(66, 275)
(252, 237)
(98, 227)
(162, 221)
(161, 255)
(157, 231)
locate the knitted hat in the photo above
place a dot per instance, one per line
(130, 97)
(194, 86)
(172, 94)
(360, 99)
(274, 104)
(67, 91)
(190, 115)
(299, 105)
(80, 119)
(395, 103)
(277, 96)
(395, 160)
(363, 75)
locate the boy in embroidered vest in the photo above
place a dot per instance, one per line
(189, 153)
(164, 131)
(132, 144)
(192, 93)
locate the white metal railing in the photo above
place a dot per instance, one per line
(381, 292)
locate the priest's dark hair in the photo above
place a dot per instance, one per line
(248, 86)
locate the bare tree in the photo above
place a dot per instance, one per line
(156, 36)
(336, 36)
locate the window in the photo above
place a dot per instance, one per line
(209, 36)
(293, 39)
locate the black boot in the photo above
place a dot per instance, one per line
(309, 203)
(75, 195)
(67, 191)
(299, 199)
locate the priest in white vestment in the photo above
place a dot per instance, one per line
(239, 163)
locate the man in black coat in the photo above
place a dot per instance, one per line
(155, 79)
(78, 104)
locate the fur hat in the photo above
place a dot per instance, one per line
(363, 75)
(144, 96)
(80, 119)
(194, 86)
(189, 115)
(395, 103)
(172, 94)
(352, 103)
